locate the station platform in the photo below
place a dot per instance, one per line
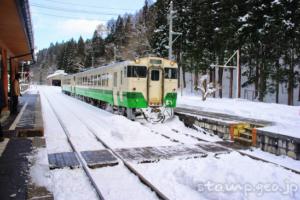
(23, 133)
(242, 130)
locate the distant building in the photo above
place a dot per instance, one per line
(16, 39)
(56, 78)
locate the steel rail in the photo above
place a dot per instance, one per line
(145, 181)
(85, 168)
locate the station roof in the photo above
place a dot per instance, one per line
(58, 73)
(16, 32)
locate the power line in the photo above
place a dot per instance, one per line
(72, 10)
(89, 6)
(69, 17)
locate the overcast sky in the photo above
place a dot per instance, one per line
(58, 20)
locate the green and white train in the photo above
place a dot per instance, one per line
(146, 85)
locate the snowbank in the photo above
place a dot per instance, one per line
(286, 118)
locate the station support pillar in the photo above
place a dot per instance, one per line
(4, 76)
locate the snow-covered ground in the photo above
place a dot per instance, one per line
(228, 176)
(176, 178)
(286, 118)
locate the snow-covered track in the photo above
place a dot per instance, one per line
(223, 144)
(82, 163)
(130, 167)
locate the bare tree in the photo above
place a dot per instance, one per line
(207, 88)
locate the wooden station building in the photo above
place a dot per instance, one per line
(16, 39)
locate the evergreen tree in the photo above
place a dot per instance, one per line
(81, 49)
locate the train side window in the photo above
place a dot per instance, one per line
(170, 73)
(115, 79)
(107, 79)
(99, 80)
(155, 75)
(121, 77)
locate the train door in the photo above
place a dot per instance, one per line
(155, 87)
(115, 88)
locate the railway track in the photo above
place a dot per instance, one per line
(224, 145)
(221, 144)
(145, 181)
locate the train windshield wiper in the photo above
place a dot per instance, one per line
(135, 73)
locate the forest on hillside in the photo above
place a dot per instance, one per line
(267, 32)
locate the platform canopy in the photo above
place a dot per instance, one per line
(16, 35)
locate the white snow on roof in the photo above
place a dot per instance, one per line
(57, 73)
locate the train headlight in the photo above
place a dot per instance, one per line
(134, 89)
(172, 63)
(137, 61)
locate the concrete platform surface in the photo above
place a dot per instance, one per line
(14, 166)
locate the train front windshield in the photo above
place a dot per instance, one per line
(170, 73)
(137, 71)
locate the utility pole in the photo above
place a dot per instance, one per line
(238, 78)
(171, 16)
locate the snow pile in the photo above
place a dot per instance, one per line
(287, 118)
(228, 176)
(57, 73)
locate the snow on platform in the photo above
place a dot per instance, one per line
(286, 118)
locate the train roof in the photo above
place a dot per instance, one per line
(123, 63)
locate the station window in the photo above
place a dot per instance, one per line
(155, 75)
(137, 71)
(170, 73)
